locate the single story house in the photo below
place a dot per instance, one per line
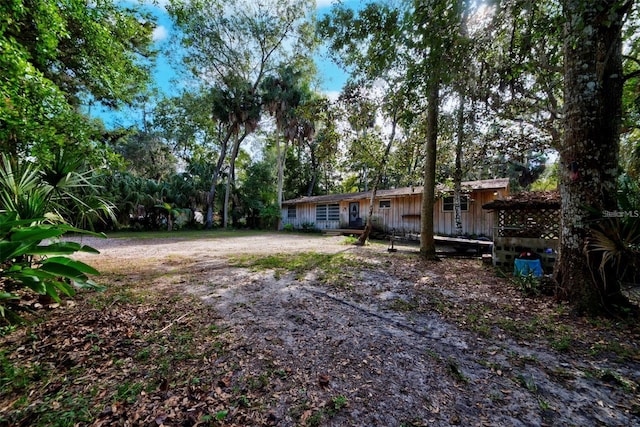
(398, 210)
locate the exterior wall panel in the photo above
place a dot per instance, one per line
(403, 215)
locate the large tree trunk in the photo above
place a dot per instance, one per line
(214, 180)
(589, 151)
(427, 242)
(457, 173)
(463, 11)
(281, 154)
(231, 179)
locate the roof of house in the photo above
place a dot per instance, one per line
(485, 184)
(527, 200)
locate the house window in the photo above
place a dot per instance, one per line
(447, 203)
(385, 204)
(328, 212)
(334, 212)
(291, 211)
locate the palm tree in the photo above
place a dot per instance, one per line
(282, 94)
(56, 193)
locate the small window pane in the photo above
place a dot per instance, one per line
(321, 212)
(385, 204)
(447, 203)
(334, 212)
(291, 211)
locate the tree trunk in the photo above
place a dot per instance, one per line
(427, 242)
(312, 183)
(365, 179)
(231, 179)
(281, 154)
(457, 173)
(365, 169)
(362, 239)
(169, 221)
(314, 173)
(463, 11)
(214, 180)
(589, 151)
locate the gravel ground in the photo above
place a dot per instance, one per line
(379, 341)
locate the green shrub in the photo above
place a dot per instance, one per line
(309, 227)
(44, 268)
(269, 216)
(529, 285)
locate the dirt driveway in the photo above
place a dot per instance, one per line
(379, 343)
(308, 331)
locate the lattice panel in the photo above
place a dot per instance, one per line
(539, 223)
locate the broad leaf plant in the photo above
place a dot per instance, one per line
(32, 257)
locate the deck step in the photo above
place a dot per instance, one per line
(341, 231)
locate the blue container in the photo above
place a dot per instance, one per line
(526, 267)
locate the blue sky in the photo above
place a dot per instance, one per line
(332, 77)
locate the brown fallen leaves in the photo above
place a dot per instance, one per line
(148, 355)
(122, 359)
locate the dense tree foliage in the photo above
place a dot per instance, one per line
(233, 44)
(59, 55)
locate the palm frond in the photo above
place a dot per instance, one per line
(617, 243)
(21, 189)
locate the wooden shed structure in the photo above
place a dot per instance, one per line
(398, 210)
(526, 222)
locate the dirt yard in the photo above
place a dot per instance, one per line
(302, 330)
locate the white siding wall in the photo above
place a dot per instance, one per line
(475, 220)
(306, 214)
(403, 216)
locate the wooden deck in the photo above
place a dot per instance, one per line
(342, 231)
(462, 245)
(459, 240)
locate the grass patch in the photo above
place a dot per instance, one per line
(110, 352)
(563, 343)
(336, 404)
(622, 351)
(128, 392)
(316, 417)
(349, 240)
(612, 377)
(527, 382)
(403, 306)
(453, 367)
(331, 266)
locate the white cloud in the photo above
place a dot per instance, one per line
(160, 33)
(332, 94)
(159, 3)
(324, 3)
(162, 3)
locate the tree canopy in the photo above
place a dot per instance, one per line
(60, 55)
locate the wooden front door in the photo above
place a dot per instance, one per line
(354, 215)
